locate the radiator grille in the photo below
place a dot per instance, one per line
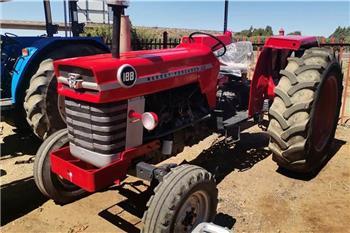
(97, 127)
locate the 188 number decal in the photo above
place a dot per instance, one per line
(127, 76)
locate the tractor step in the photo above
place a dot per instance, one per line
(236, 119)
(230, 127)
(6, 104)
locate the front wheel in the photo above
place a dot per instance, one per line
(305, 111)
(186, 197)
(51, 185)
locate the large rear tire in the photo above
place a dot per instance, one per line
(44, 108)
(186, 197)
(49, 184)
(305, 111)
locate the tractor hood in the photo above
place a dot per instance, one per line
(102, 78)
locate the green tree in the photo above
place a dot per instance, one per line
(341, 33)
(268, 31)
(295, 33)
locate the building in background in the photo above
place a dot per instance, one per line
(94, 11)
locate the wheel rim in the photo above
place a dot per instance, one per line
(61, 182)
(325, 112)
(64, 184)
(195, 209)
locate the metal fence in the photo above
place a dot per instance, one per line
(257, 41)
(154, 43)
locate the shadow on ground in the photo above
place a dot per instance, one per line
(135, 205)
(19, 144)
(221, 160)
(19, 198)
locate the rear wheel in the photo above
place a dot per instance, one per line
(305, 111)
(51, 185)
(44, 108)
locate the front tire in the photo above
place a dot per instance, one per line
(186, 197)
(49, 184)
(305, 111)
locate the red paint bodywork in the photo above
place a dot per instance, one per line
(290, 42)
(226, 38)
(272, 59)
(91, 178)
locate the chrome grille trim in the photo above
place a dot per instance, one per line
(84, 84)
(99, 128)
(114, 107)
(94, 146)
(106, 119)
(102, 129)
(97, 136)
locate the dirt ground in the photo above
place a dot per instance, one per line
(254, 195)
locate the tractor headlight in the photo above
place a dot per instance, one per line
(149, 120)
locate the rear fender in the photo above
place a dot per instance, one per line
(19, 69)
(266, 76)
(291, 42)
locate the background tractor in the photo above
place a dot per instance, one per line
(125, 109)
(28, 85)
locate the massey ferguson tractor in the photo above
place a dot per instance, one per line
(124, 109)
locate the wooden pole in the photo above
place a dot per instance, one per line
(345, 94)
(165, 40)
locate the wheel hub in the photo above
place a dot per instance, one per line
(194, 210)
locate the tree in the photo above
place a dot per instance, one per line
(295, 33)
(268, 31)
(341, 33)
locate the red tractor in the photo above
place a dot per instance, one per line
(122, 110)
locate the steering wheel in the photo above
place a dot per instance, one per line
(10, 49)
(213, 48)
(9, 34)
(10, 39)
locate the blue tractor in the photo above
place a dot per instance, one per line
(28, 87)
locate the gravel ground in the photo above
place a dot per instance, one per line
(254, 195)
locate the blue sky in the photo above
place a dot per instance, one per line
(311, 17)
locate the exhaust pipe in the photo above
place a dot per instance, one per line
(118, 7)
